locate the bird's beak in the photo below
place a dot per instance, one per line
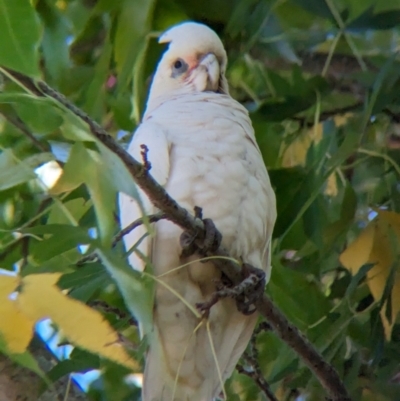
(211, 64)
(205, 74)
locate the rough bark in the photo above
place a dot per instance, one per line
(20, 384)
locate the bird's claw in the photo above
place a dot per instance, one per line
(211, 242)
(212, 238)
(250, 290)
(246, 293)
(205, 307)
(187, 242)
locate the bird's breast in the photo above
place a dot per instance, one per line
(215, 164)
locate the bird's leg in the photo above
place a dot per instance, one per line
(246, 293)
(212, 238)
(223, 291)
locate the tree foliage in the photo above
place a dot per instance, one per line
(321, 79)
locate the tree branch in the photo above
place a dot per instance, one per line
(19, 383)
(254, 370)
(326, 374)
(255, 374)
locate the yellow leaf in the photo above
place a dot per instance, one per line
(357, 253)
(331, 185)
(41, 298)
(374, 245)
(342, 119)
(296, 151)
(391, 218)
(15, 327)
(295, 154)
(8, 284)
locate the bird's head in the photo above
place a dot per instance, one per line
(195, 61)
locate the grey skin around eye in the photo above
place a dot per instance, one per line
(178, 68)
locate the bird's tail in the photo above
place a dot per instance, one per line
(195, 371)
(163, 382)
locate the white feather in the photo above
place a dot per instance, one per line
(203, 151)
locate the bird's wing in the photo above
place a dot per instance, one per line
(153, 136)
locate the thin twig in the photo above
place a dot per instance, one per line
(258, 378)
(326, 374)
(106, 308)
(152, 218)
(20, 125)
(252, 359)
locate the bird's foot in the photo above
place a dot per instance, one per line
(246, 293)
(250, 290)
(205, 307)
(212, 238)
(188, 244)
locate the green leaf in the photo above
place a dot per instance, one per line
(79, 361)
(287, 183)
(95, 93)
(133, 24)
(54, 44)
(58, 264)
(356, 279)
(39, 115)
(85, 281)
(19, 39)
(75, 207)
(58, 238)
(375, 100)
(317, 7)
(348, 146)
(118, 174)
(302, 291)
(13, 172)
(368, 20)
(75, 129)
(325, 333)
(295, 96)
(286, 364)
(85, 166)
(136, 289)
(104, 174)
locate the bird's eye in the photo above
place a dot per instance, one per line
(178, 67)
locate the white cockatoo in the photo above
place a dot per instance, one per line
(202, 150)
